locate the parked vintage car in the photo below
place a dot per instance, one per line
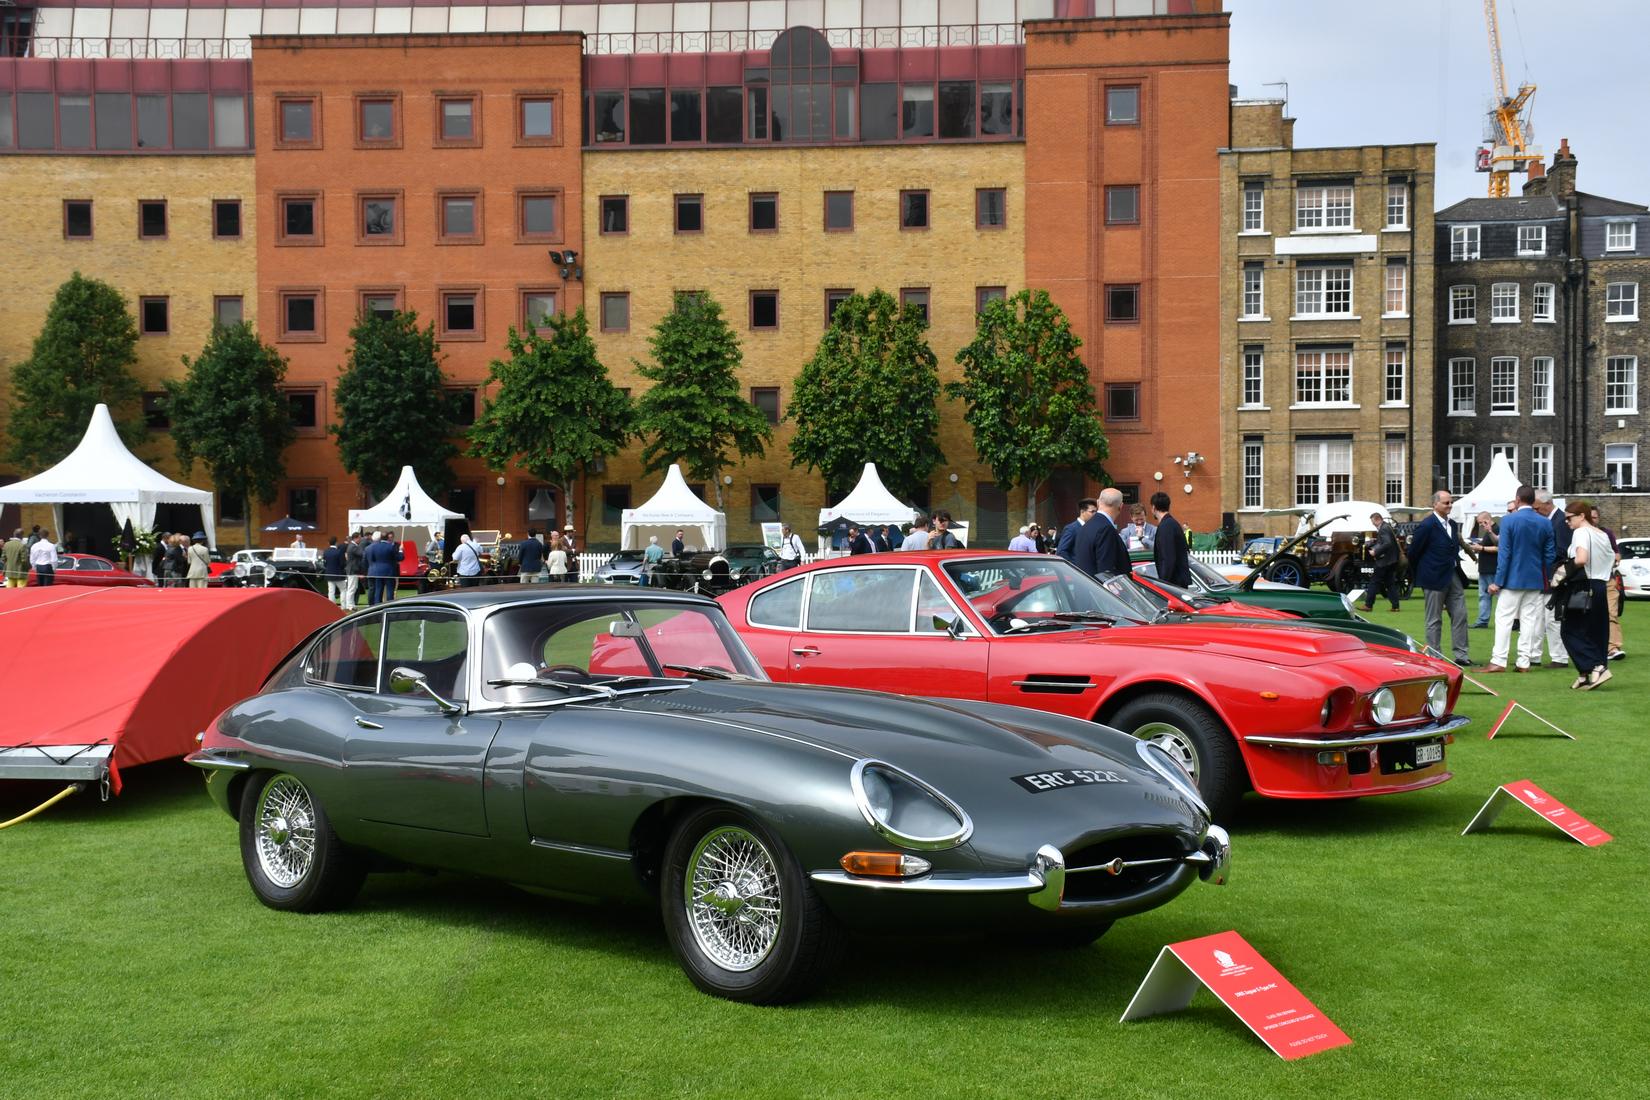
(1635, 566)
(1293, 711)
(625, 743)
(1255, 591)
(89, 570)
(1167, 600)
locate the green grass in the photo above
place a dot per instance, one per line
(136, 962)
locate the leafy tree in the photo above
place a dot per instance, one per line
(1028, 394)
(869, 395)
(229, 412)
(696, 410)
(553, 411)
(391, 404)
(80, 359)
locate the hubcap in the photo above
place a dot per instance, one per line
(733, 898)
(1174, 741)
(285, 832)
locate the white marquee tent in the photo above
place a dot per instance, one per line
(100, 470)
(673, 506)
(869, 502)
(1490, 495)
(407, 505)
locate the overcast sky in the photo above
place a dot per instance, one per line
(1370, 72)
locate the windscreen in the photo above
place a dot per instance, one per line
(1013, 593)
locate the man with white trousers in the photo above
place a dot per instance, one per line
(1557, 655)
(1524, 560)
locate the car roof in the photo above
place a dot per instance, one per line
(493, 595)
(917, 557)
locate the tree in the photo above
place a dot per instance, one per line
(869, 395)
(553, 411)
(392, 409)
(80, 359)
(697, 410)
(1028, 394)
(229, 412)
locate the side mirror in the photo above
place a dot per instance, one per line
(952, 627)
(406, 681)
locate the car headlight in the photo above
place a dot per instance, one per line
(1158, 760)
(1438, 698)
(906, 810)
(1327, 712)
(1382, 706)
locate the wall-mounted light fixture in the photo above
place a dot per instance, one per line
(567, 261)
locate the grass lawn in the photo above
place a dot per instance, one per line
(137, 963)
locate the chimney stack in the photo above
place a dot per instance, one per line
(1563, 172)
(1536, 182)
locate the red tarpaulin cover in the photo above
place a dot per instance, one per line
(143, 669)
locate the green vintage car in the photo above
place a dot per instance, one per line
(1172, 603)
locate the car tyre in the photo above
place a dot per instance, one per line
(1286, 571)
(1190, 733)
(293, 858)
(760, 934)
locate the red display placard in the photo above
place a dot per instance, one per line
(1506, 713)
(1227, 966)
(1550, 809)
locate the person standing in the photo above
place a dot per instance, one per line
(651, 557)
(298, 542)
(1485, 538)
(917, 539)
(858, 542)
(1066, 545)
(1613, 594)
(1023, 543)
(355, 567)
(1170, 553)
(530, 558)
(1138, 531)
(333, 567)
(1525, 555)
(383, 558)
(558, 563)
(942, 537)
(790, 548)
(467, 562)
(43, 560)
(1587, 629)
(15, 558)
(677, 546)
(1100, 551)
(1434, 556)
(1385, 580)
(199, 559)
(1548, 624)
(176, 567)
(879, 541)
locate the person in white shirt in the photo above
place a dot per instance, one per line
(1586, 630)
(1023, 543)
(298, 542)
(918, 538)
(467, 563)
(43, 560)
(790, 547)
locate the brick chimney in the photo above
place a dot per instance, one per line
(1563, 172)
(1536, 182)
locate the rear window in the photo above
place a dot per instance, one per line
(779, 606)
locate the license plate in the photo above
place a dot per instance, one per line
(1430, 753)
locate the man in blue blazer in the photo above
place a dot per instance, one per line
(1067, 546)
(1434, 551)
(1525, 556)
(1100, 551)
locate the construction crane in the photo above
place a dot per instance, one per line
(1507, 148)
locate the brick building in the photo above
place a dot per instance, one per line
(1326, 359)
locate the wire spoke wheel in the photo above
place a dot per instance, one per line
(732, 893)
(285, 832)
(1174, 741)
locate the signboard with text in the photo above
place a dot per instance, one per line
(1524, 793)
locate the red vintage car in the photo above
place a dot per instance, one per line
(89, 569)
(1288, 711)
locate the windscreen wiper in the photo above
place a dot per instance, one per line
(562, 685)
(704, 672)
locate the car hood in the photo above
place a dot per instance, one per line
(1278, 644)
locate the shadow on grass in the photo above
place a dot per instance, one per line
(149, 789)
(1346, 817)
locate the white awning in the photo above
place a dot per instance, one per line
(673, 506)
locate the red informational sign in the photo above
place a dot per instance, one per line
(1550, 809)
(1515, 705)
(1225, 964)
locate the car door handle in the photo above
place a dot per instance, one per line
(806, 651)
(366, 725)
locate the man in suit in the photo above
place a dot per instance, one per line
(1385, 579)
(677, 546)
(1169, 550)
(858, 543)
(383, 565)
(1066, 547)
(1434, 557)
(879, 541)
(332, 567)
(1523, 561)
(1557, 655)
(1100, 551)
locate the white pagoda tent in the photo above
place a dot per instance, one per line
(673, 506)
(869, 502)
(100, 470)
(406, 506)
(1491, 495)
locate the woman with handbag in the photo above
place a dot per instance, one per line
(1586, 625)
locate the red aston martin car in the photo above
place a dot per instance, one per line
(89, 569)
(1289, 711)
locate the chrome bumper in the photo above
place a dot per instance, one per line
(211, 760)
(1428, 732)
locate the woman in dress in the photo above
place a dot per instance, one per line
(1586, 632)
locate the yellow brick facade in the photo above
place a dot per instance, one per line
(801, 260)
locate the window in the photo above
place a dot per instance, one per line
(77, 219)
(537, 307)
(382, 304)
(1323, 376)
(1621, 385)
(461, 314)
(1323, 291)
(834, 298)
(913, 209)
(1123, 105)
(304, 503)
(1621, 302)
(916, 297)
(687, 116)
(690, 213)
(538, 216)
(1123, 205)
(297, 122)
(1463, 305)
(155, 417)
(1619, 236)
(304, 405)
(616, 312)
(300, 315)
(1254, 290)
(766, 398)
(879, 601)
(1532, 240)
(1254, 207)
(1253, 470)
(615, 216)
(154, 316)
(1254, 374)
(984, 295)
(916, 110)
(1463, 244)
(615, 499)
(460, 217)
(1323, 471)
(1541, 302)
(839, 210)
(1122, 302)
(154, 120)
(1395, 380)
(456, 120)
(1504, 303)
(1463, 466)
(764, 212)
(764, 503)
(1507, 450)
(1503, 386)
(1621, 465)
(462, 405)
(1541, 466)
(1397, 205)
(996, 108)
(764, 309)
(1541, 386)
(536, 119)
(609, 117)
(226, 219)
(300, 220)
(1397, 289)
(1122, 401)
(878, 112)
(1393, 460)
(956, 108)
(990, 208)
(375, 122)
(379, 221)
(228, 309)
(1323, 206)
(1463, 387)
(151, 218)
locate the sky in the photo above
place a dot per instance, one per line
(1372, 72)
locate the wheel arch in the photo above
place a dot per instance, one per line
(1128, 693)
(652, 830)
